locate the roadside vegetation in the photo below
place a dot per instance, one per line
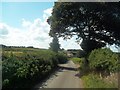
(100, 70)
(23, 68)
(94, 81)
(76, 60)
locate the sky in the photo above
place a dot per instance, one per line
(24, 24)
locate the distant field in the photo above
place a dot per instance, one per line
(22, 49)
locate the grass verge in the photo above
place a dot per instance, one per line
(76, 60)
(93, 81)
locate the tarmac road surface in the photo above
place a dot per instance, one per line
(67, 76)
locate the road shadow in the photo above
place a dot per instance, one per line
(78, 75)
(41, 83)
(67, 68)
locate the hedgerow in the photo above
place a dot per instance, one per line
(19, 70)
(104, 60)
(62, 58)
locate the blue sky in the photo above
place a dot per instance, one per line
(14, 12)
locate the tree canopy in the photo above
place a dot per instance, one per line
(96, 22)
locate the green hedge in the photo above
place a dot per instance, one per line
(62, 58)
(104, 60)
(20, 70)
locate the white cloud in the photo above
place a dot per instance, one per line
(69, 44)
(47, 13)
(32, 33)
(25, 23)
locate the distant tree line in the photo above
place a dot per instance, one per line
(4, 46)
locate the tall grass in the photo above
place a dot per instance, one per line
(94, 81)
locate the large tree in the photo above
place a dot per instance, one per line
(96, 23)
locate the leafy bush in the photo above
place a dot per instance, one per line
(62, 58)
(81, 54)
(26, 67)
(104, 60)
(84, 67)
